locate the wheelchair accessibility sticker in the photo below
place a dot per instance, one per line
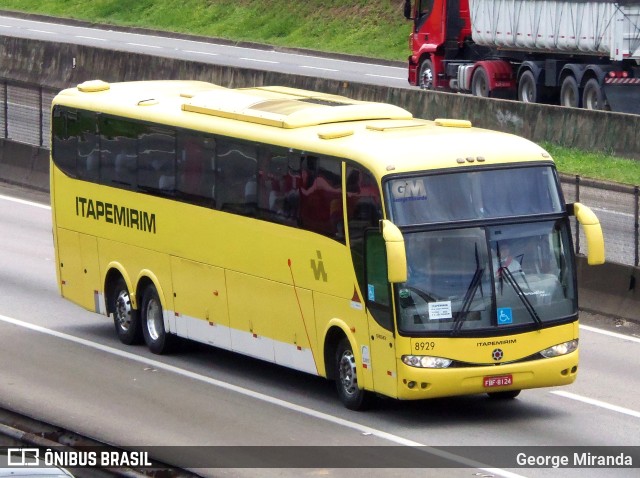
(505, 316)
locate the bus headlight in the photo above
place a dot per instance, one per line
(560, 349)
(426, 361)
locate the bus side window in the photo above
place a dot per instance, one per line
(196, 168)
(377, 291)
(118, 151)
(88, 151)
(236, 179)
(65, 139)
(364, 210)
(275, 188)
(157, 159)
(321, 196)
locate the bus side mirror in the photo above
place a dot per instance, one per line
(592, 231)
(396, 254)
(407, 9)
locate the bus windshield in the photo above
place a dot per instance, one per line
(472, 195)
(487, 278)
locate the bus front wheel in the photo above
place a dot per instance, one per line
(353, 397)
(125, 317)
(155, 335)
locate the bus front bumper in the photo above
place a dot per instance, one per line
(416, 383)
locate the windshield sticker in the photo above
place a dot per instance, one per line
(505, 316)
(371, 292)
(404, 191)
(440, 310)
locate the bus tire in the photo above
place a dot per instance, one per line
(353, 397)
(507, 395)
(155, 335)
(125, 317)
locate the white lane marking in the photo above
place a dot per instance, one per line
(201, 52)
(609, 211)
(258, 60)
(260, 396)
(90, 38)
(41, 31)
(386, 76)
(6, 26)
(317, 68)
(23, 201)
(597, 403)
(145, 45)
(630, 338)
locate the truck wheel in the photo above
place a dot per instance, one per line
(425, 79)
(350, 395)
(570, 93)
(155, 336)
(593, 96)
(125, 317)
(527, 88)
(480, 83)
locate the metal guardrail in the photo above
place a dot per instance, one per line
(25, 118)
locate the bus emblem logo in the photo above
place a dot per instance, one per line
(497, 354)
(318, 268)
(409, 190)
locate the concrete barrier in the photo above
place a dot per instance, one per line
(610, 289)
(60, 65)
(24, 165)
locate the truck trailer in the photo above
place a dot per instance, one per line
(573, 53)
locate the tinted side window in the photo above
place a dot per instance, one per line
(277, 186)
(157, 159)
(196, 168)
(64, 139)
(236, 180)
(364, 210)
(88, 159)
(118, 151)
(320, 208)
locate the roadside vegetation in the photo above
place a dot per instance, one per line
(370, 28)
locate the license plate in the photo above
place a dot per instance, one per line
(498, 381)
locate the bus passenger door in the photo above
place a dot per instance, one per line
(380, 316)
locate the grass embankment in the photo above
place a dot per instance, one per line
(372, 28)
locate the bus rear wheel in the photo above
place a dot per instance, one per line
(353, 397)
(125, 317)
(155, 335)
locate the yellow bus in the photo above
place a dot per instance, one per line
(394, 255)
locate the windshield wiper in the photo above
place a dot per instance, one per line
(467, 301)
(505, 273)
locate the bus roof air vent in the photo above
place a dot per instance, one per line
(393, 125)
(288, 108)
(93, 86)
(452, 123)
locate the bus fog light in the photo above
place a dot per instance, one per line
(426, 361)
(560, 349)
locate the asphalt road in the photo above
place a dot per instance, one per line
(206, 51)
(64, 365)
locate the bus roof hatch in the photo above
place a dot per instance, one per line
(288, 109)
